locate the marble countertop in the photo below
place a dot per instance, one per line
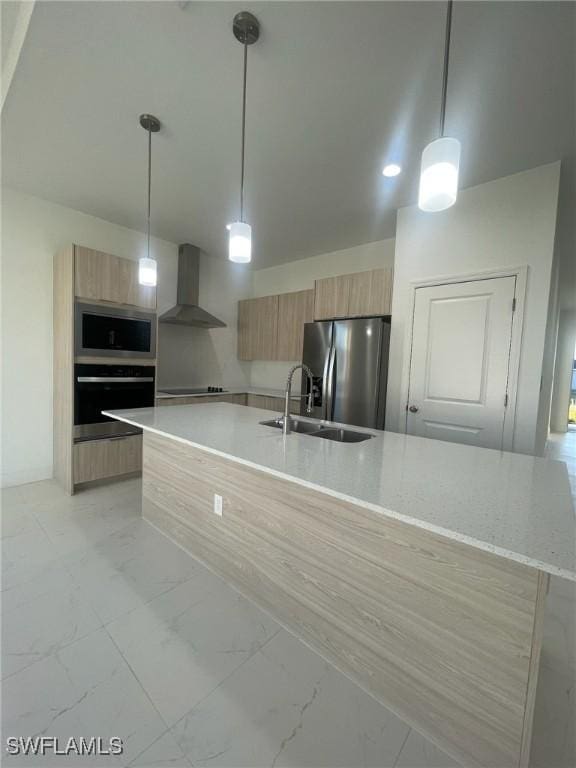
(265, 391)
(510, 504)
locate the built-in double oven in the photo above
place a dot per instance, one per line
(107, 332)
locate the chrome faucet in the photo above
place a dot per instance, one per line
(287, 420)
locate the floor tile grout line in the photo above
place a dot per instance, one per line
(141, 686)
(402, 747)
(200, 701)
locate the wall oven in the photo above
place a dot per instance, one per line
(100, 388)
(110, 332)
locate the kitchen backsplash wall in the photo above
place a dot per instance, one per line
(196, 357)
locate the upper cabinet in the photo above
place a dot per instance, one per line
(294, 309)
(103, 277)
(332, 297)
(361, 294)
(272, 327)
(257, 328)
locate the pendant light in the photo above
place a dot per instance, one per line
(441, 158)
(246, 30)
(147, 266)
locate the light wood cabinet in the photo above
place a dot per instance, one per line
(271, 403)
(294, 309)
(332, 297)
(257, 328)
(97, 459)
(103, 277)
(370, 293)
(360, 294)
(235, 399)
(272, 327)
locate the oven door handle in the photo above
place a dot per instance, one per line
(113, 379)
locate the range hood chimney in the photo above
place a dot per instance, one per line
(187, 311)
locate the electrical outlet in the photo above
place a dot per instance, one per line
(217, 505)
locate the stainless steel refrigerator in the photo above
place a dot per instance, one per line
(349, 363)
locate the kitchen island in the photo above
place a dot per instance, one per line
(418, 568)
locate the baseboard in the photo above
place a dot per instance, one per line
(23, 476)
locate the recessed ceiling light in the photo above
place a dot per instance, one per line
(390, 170)
(228, 227)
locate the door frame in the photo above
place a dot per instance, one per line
(521, 275)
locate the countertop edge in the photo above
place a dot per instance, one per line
(439, 530)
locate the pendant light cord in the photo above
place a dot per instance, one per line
(446, 62)
(149, 186)
(243, 132)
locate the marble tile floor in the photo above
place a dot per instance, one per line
(108, 629)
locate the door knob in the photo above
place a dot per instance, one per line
(413, 409)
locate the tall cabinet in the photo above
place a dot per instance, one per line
(87, 275)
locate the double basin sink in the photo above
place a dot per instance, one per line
(336, 434)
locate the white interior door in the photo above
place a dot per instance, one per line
(461, 341)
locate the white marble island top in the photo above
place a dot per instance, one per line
(513, 505)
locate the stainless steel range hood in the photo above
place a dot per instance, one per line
(187, 311)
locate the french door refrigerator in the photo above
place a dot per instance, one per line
(349, 363)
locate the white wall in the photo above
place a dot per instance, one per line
(548, 362)
(300, 275)
(32, 231)
(565, 351)
(504, 223)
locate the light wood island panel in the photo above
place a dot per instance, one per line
(444, 634)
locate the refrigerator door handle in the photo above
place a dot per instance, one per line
(325, 383)
(330, 384)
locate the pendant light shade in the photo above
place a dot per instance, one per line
(246, 30)
(147, 266)
(440, 164)
(147, 271)
(439, 175)
(240, 242)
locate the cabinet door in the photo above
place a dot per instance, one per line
(331, 297)
(272, 403)
(370, 293)
(244, 340)
(98, 459)
(294, 309)
(191, 400)
(103, 277)
(257, 328)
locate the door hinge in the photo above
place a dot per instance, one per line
(514, 304)
(506, 400)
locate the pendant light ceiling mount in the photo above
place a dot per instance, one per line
(150, 123)
(246, 28)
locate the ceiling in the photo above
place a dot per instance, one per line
(334, 90)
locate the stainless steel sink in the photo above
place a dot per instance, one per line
(303, 427)
(341, 435)
(337, 434)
